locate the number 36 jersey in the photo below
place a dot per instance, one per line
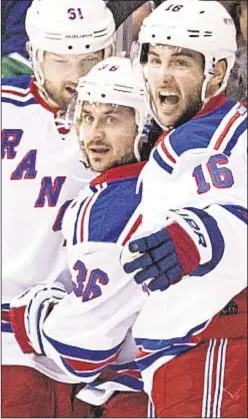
(88, 333)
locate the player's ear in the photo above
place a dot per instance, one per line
(216, 81)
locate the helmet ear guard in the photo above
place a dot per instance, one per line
(78, 128)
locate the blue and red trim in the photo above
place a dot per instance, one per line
(5, 319)
(84, 362)
(117, 173)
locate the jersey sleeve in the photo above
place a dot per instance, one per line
(85, 332)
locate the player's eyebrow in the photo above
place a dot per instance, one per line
(183, 52)
(93, 56)
(85, 111)
(89, 112)
(153, 53)
(177, 53)
(56, 55)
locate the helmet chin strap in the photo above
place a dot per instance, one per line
(109, 51)
(39, 77)
(136, 147)
(45, 95)
(67, 118)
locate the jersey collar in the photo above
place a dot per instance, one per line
(118, 173)
(213, 103)
(35, 92)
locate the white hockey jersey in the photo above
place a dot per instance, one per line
(40, 172)
(88, 332)
(196, 176)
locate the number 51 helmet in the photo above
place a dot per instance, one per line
(69, 27)
(202, 26)
(114, 82)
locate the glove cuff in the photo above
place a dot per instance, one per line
(186, 249)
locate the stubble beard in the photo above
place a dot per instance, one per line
(129, 158)
(194, 105)
(56, 97)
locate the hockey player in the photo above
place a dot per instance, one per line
(191, 248)
(40, 166)
(87, 334)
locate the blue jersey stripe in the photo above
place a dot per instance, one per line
(5, 306)
(145, 362)
(22, 82)
(238, 211)
(85, 354)
(197, 133)
(125, 380)
(130, 382)
(6, 327)
(157, 344)
(127, 366)
(239, 131)
(76, 223)
(80, 374)
(19, 104)
(161, 162)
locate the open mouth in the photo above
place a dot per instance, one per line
(99, 150)
(167, 98)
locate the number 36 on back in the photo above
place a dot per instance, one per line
(219, 175)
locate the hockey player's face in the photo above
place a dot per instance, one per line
(62, 71)
(107, 133)
(175, 77)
